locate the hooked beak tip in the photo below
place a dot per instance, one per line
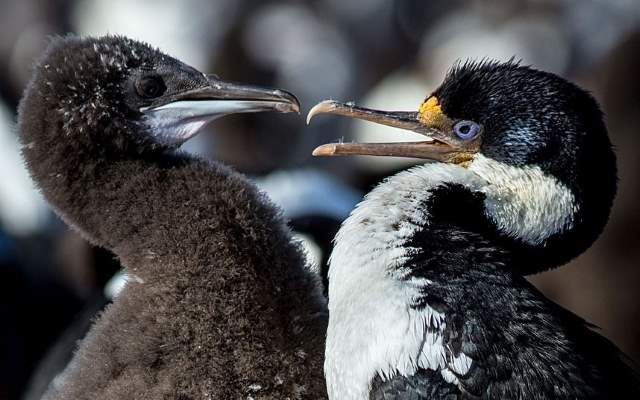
(321, 108)
(290, 102)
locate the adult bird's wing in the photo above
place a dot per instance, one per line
(508, 341)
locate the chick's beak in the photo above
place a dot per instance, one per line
(439, 144)
(175, 118)
(230, 98)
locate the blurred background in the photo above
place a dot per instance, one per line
(379, 53)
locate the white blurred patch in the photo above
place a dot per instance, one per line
(473, 34)
(309, 192)
(190, 30)
(401, 91)
(22, 209)
(312, 251)
(302, 48)
(118, 282)
(115, 285)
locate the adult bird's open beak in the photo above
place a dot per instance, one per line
(440, 143)
(177, 117)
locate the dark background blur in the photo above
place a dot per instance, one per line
(380, 53)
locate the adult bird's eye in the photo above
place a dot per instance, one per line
(150, 87)
(466, 130)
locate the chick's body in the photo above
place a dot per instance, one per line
(219, 304)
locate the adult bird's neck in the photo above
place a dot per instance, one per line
(413, 210)
(517, 215)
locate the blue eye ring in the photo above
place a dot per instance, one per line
(466, 130)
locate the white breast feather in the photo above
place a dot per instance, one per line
(372, 327)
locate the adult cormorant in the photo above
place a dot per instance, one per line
(219, 304)
(427, 295)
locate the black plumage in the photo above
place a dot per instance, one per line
(526, 345)
(425, 384)
(525, 182)
(561, 131)
(219, 305)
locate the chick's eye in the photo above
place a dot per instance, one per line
(466, 130)
(150, 87)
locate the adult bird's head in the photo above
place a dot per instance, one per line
(115, 95)
(536, 145)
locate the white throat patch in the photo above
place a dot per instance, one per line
(524, 202)
(373, 330)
